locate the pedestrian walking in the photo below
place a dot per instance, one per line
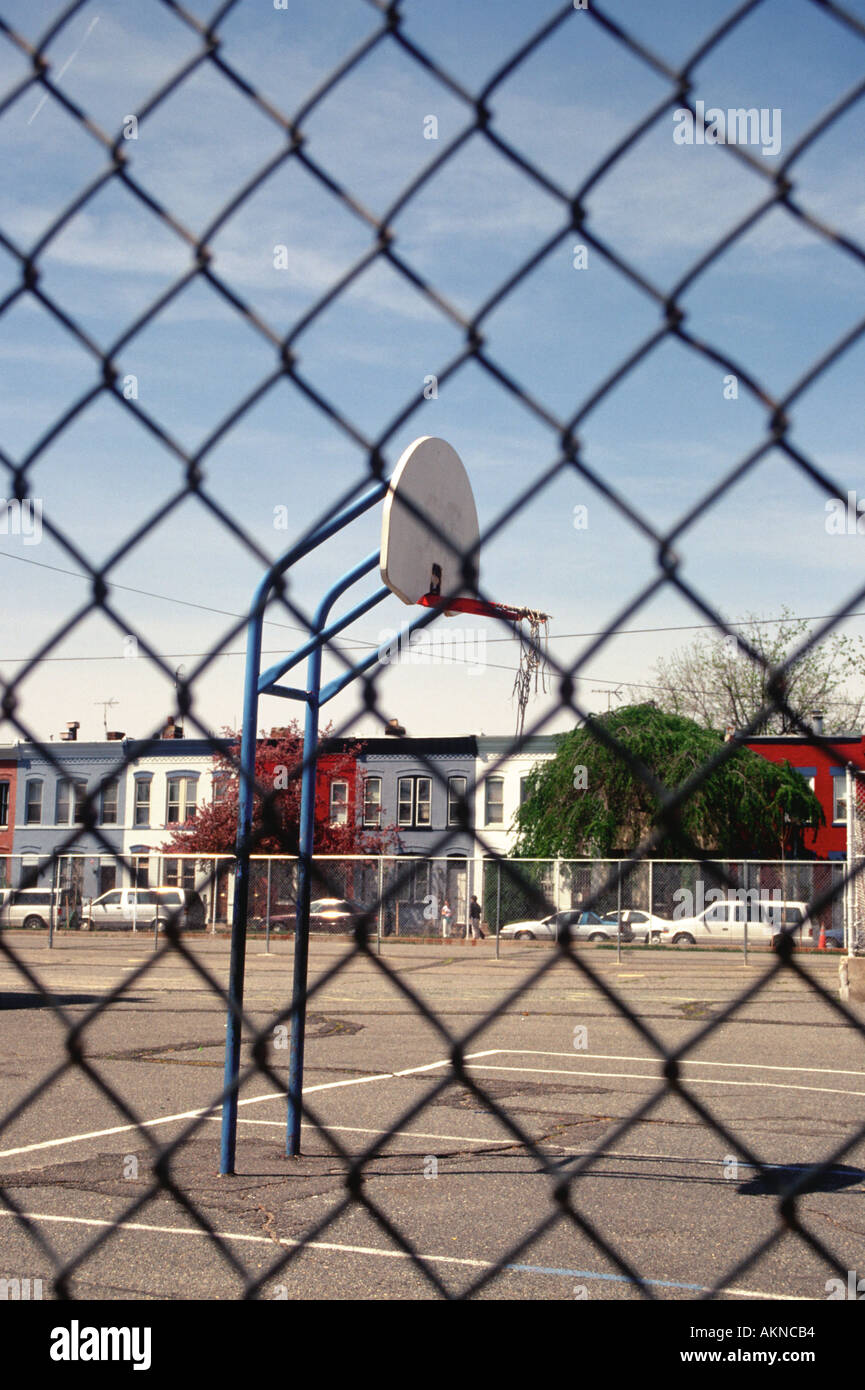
(446, 916)
(475, 918)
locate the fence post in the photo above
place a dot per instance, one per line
(267, 909)
(849, 915)
(53, 906)
(498, 906)
(380, 902)
(619, 914)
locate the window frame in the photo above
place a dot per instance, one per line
(181, 781)
(338, 810)
(77, 786)
(489, 806)
(414, 801)
(33, 784)
(143, 782)
(110, 785)
(455, 798)
(372, 819)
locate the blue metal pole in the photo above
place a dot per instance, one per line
(301, 933)
(245, 806)
(307, 844)
(256, 684)
(246, 795)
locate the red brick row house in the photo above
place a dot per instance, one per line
(826, 774)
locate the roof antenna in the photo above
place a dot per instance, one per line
(106, 705)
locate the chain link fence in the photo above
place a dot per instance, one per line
(399, 896)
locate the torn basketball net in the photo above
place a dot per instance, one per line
(532, 670)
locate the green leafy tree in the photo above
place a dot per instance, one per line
(715, 680)
(587, 801)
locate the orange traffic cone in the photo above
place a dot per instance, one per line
(821, 944)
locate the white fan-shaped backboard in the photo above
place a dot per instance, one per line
(430, 520)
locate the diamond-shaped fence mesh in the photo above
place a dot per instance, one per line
(401, 901)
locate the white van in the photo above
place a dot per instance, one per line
(29, 907)
(143, 907)
(724, 922)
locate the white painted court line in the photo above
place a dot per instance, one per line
(251, 1100)
(684, 1062)
(377, 1253)
(692, 1080)
(682, 1160)
(474, 1057)
(395, 1133)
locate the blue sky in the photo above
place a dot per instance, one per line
(776, 301)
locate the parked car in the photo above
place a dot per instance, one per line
(30, 907)
(124, 908)
(834, 937)
(337, 915)
(723, 922)
(644, 926)
(581, 926)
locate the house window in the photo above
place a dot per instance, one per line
(809, 776)
(141, 871)
(180, 873)
(108, 810)
(524, 790)
(414, 800)
(372, 802)
(29, 871)
(33, 804)
(495, 800)
(142, 800)
(339, 803)
(456, 795)
(4, 803)
(412, 881)
(181, 800)
(70, 801)
(220, 786)
(839, 799)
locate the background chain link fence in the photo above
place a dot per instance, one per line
(508, 889)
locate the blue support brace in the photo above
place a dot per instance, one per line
(256, 684)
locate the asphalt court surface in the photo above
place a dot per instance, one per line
(455, 1182)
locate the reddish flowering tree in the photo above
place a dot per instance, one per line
(276, 806)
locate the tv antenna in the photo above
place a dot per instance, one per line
(610, 694)
(106, 706)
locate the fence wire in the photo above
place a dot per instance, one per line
(388, 38)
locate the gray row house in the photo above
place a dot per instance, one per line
(450, 801)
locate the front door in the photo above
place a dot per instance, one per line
(457, 893)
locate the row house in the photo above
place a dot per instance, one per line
(8, 784)
(825, 773)
(424, 790)
(137, 791)
(445, 803)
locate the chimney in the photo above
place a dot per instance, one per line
(394, 729)
(172, 729)
(115, 735)
(71, 735)
(817, 721)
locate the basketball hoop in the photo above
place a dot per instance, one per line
(429, 530)
(532, 670)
